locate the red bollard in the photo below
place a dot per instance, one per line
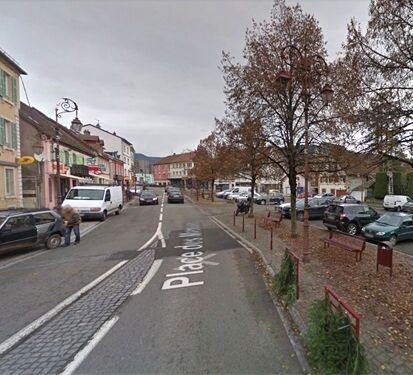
(234, 218)
(243, 222)
(271, 239)
(255, 229)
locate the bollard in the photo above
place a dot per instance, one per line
(234, 218)
(243, 223)
(255, 229)
(271, 235)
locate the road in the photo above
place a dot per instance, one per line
(190, 301)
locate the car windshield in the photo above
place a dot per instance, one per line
(2, 219)
(392, 220)
(148, 194)
(409, 200)
(85, 194)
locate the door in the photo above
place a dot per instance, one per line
(44, 222)
(18, 232)
(108, 200)
(406, 230)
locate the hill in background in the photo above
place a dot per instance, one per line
(151, 159)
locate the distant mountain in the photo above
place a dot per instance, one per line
(151, 159)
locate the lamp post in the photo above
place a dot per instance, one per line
(64, 105)
(305, 62)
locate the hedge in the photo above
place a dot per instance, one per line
(380, 186)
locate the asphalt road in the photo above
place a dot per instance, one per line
(206, 309)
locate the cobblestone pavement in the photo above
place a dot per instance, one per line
(53, 345)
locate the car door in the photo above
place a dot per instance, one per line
(18, 232)
(406, 229)
(108, 201)
(44, 222)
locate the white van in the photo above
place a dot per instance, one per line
(395, 202)
(95, 201)
(236, 191)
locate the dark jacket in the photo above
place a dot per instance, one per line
(72, 218)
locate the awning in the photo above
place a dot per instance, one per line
(100, 176)
(71, 176)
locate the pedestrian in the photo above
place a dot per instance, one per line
(72, 220)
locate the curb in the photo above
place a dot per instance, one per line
(285, 314)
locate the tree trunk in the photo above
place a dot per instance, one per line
(251, 214)
(212, 190)
(292, 179)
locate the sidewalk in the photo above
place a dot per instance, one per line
(384, 302)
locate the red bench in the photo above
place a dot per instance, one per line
(273, 218)
(347, 242)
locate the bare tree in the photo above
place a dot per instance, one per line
(245, 137)
(280, 81)
(378, 77)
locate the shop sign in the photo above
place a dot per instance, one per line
(79, 170)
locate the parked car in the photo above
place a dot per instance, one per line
(275, 198)
(322, 195)
(408, 207)
(393, 227)
(221, 194)
(176, 197)
(346, 199)
(395, 202)
(317, 207)
(29, 228)
(349, 217)
(95, 201)
(148, 197)
(236, 191)
(247, 195)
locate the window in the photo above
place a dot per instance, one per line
(19, 223)
(66, 161)
(8, 86)
(189, 165)
(74, 158)
(9, 178)
(107, 196)
(8, 133)
(43, 218)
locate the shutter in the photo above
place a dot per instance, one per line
(2, 83)
(14, 136)
(70, 159)
(14, 90)
(2, 131)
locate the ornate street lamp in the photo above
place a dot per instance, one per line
(64, 105)
(305, 61)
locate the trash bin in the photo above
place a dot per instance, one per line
(385, 255)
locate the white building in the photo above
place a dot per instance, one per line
(114, 142)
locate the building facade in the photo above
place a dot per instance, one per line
(115, 143)
(40, 188)
(174, 170)
(11, 194)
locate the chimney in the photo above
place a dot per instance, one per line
(87, 132)
(76, 125)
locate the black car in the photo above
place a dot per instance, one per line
(28, 228)
(148, 197)
(317, 207)
(349, 217)
(175, 197)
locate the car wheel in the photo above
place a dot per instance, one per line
(398, 209)
(300, 216)
(393, 240)
(54, 241)
(104, 216)
(118, 210)
(263, 202)
(352, 229)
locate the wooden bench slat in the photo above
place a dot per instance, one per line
(346, 242)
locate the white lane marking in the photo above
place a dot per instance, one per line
(150, 274)
(161, 209)
(227, 232)
(183, 273)
(245, 246)
(23, 258)
(160, 217)
(97, 337)
(11, 341)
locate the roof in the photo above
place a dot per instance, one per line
(107, 131)
(11, 62)
(364, 186)
(47, 126)
(20, 211)
(177, 158)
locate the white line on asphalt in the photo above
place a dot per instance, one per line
(161, 209)
(151, 273)
(82, 355)
(11, 341)
(184, 273)
(160, 217)
(214, 221)
(245, 246)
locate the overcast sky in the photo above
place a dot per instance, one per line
(147, 69)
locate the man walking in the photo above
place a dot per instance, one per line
(72, 221)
